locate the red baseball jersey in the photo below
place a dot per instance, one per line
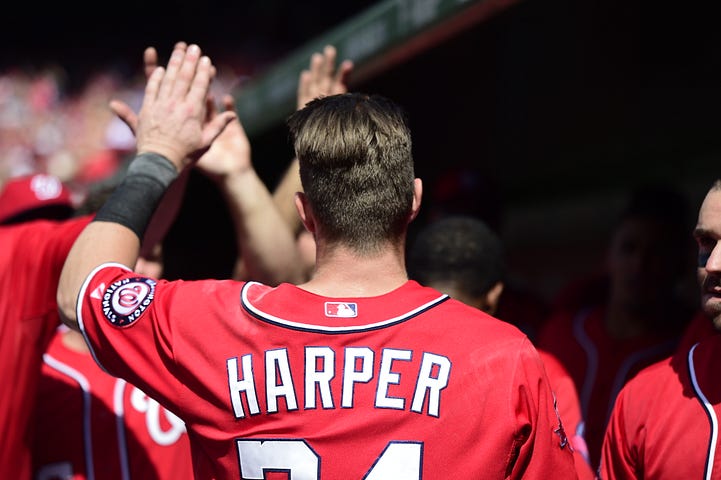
(599, 364)
(31, 258)
(665, 424)
(91, 425)
(405, 385)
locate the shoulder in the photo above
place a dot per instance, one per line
(474, 321)
(658, 377)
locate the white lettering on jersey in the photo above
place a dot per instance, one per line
(387, 377)
(238, 386)
(353, 375)
(319, 370)
(430, 384)
(278, 380)
(319, 376)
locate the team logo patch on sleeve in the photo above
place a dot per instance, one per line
(125, 301)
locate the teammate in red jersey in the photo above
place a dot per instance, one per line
(89, 424)
(664, 424)
(354, 373)
(460, 255)
(632, 315)
(31, 257)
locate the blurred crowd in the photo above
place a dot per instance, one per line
(49, 126)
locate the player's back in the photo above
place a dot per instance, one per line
(409, 384)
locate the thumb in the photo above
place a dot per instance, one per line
(125, 113)
(216, 126)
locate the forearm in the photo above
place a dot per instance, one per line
(265, 242)
(99, 242)
(114, 235)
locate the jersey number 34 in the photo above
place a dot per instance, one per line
(398, 461)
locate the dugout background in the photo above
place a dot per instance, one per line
(562, 104)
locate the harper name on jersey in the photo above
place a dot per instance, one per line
(322, 375)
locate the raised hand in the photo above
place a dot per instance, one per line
(171, 121)
(230, 153)
(322, 77)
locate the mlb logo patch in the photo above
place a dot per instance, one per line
(341, 309)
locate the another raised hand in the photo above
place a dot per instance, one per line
(265, 243)
(230, 153)
(323, 77)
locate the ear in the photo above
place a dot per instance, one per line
(417, 194)
(493, 297)
(304, 211)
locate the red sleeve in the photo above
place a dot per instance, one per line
(36, 252)
(124, 319)
(545, 452)
(619, 454)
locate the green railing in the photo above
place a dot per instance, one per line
(377, 38)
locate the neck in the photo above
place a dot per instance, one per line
(341, 272)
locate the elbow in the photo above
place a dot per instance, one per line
(66, 308)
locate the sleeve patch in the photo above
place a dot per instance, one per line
(125, 301)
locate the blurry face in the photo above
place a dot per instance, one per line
(708, 239)
(643, 265)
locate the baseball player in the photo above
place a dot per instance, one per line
(461, 256)
(31, 257)
(91, 425)
(664, 424)
(632, 315)
(353, 374)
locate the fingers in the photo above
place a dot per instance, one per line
(229, 103)
(193, 69)
(125, 113)
(323, 77)
(340, 85)
(304, 88)
(328, 64)
(211, 110)
(316, 68)
(174, 65)
(197, 72)
(150, 61)
(153, 85)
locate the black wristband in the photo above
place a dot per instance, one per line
(133, 202)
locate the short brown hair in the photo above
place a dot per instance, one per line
(356, 167)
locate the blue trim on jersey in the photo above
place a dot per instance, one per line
(305, 327)
(708, 408)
